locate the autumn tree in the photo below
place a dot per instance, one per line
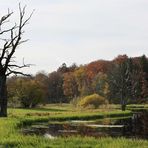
(11, 37)
(13, 100)
(100, 84)
(42, 79)
(144, 67)
(120, 81)
(70, 86)
(55, 87)
(93, 68)
(29, 92)
(26, 91)
(82, 81)
(63, 68)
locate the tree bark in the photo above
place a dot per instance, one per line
(3, 96)
(123, 103)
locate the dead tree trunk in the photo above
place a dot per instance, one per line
(3, 96)
(10, 39)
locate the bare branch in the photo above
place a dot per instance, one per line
(11, 39)
(10, 71)
(27, 20)
(16, 40)
(17, 66)
(15, 33)
(5, 17)
(21, 42)
(17, 73)
(2, 32)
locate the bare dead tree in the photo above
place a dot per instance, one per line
(10, 39)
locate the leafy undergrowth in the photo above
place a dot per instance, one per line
(11, 136)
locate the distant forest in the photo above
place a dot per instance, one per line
(123, 79)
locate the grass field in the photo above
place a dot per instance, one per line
(11, 136)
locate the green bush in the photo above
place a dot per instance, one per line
(94, 99)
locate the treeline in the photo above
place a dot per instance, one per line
(122, 80)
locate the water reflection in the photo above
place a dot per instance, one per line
(135, 127)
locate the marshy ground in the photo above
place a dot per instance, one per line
(66, 116)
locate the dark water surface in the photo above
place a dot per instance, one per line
(134, 127)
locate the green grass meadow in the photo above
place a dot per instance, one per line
(11, 135)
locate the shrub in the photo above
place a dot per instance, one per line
(94, 99)
(75, 101)
(25, 92)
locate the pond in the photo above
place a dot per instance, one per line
(134, 127)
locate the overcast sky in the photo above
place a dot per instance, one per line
(80, 31)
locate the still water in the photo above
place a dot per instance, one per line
(133, 127)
